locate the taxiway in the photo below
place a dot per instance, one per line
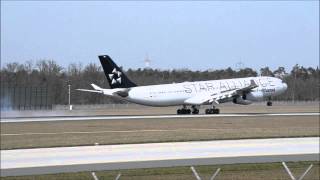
(108, 157)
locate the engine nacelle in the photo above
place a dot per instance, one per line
(241, 100)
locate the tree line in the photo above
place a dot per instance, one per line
(303, 83)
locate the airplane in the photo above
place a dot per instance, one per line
(242, 91)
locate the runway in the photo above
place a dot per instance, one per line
(129, 156)
(82, 118)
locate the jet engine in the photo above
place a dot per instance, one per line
(242, 100)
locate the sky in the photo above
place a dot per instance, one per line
(197, 35)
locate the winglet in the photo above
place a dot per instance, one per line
(96, 87)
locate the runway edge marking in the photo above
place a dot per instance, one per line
(150, 117)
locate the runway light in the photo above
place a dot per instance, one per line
(69, 97)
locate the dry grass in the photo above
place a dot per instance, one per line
(72, 133)
(273, 171)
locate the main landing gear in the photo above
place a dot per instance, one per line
(185, 110)
(212, 110)
(195, 110)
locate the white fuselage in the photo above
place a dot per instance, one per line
(178, 93)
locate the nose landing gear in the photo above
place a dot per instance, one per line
(269, 103)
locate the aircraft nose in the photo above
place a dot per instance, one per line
(285, 86)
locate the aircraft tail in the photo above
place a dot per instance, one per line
(115, 76)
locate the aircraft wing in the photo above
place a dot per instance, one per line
(248, 88)
(216, 97)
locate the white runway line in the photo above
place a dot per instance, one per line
(101, 132)
(72, 118)
(63, 156)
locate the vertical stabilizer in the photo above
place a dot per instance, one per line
(115, 76)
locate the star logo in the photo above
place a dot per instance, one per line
(115, 76)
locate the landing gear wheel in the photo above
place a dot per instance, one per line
(212, 111)
(195, 111)
(269, 103)
(183, 111)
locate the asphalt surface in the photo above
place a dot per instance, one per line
(131, 156)
(81, 118)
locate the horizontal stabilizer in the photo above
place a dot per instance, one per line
(96, 87)
(88, 90)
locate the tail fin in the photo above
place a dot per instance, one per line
(115, 76)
